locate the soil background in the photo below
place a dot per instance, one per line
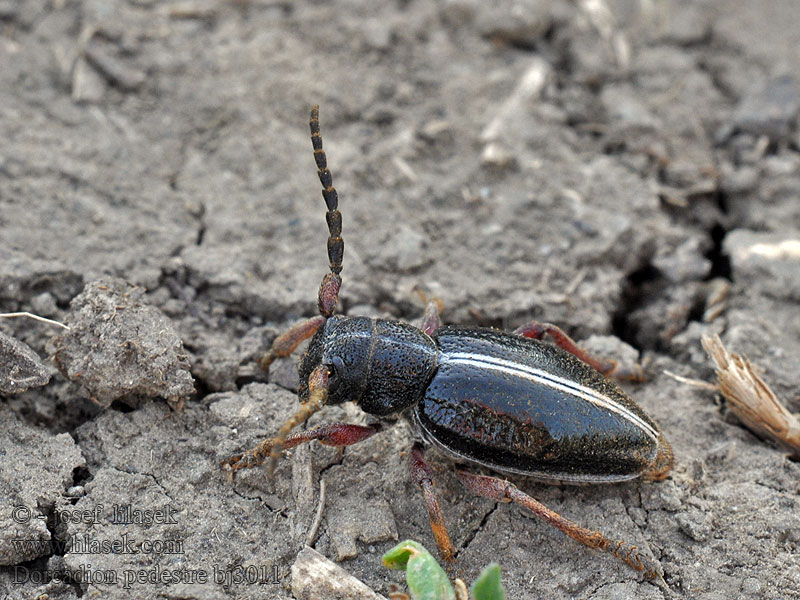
(627, 170)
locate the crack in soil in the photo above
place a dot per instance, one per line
(471, 535)
(259, 499)
(146, 474)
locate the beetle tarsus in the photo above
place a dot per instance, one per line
(245, 460)
(249, 459)
(228, 466)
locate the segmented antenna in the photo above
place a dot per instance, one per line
(329, 290)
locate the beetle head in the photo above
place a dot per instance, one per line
(342, 344)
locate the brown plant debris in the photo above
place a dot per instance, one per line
(751, 399)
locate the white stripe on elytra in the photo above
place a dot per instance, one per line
(550, 380)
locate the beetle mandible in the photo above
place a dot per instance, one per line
(505, 401)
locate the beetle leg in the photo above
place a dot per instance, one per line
(421, 473)
(607, 366)
(431, 320)
(334, 434)
(504, 491)
(288, 341)
(317, 397)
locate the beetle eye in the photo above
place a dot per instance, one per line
(335, 374)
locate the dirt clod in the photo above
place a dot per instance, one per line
(120, 348)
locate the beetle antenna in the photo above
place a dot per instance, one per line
(329, 290)
(318, 395)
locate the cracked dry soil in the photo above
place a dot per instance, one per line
(612, 167)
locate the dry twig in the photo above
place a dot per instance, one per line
(693, 382)
(12, 315)
(311, 536)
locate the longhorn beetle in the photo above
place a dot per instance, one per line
(506, 401)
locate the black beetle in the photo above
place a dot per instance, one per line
(506, 401)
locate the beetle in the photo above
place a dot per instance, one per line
(508, 402)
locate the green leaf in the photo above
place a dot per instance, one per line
(425, 578)
(487, 586)
(397, 557)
